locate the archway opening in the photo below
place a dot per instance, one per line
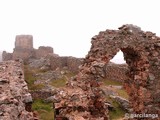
(118, 58)
(124, 81)
(116, 95)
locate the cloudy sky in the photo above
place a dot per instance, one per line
(68, 25)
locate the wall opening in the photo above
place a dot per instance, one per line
(118, 58)
(127, 80)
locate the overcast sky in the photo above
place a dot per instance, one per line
(69, 25)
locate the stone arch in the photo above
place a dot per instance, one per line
(142, 54)
(135, 85)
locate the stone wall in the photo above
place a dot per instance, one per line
(83, 96)
(116, 72)
(43, 51)
(15, 100)
(71, 63)
(6, 56)
(23, 53)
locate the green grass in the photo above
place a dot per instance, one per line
(45, 115)
(41, 70)
(41, 105)
(111, 82)
(123, 93)
(59, 82)
(118, 112)
(70, 74)
(45, 110)
(37, 86)
(62, 81)
(30, 78)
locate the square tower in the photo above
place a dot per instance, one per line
(24, 42)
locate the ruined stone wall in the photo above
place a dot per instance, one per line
(15, 100)
(83, 96)
(71, 63)
(6, 56)
(116, 72)
(43, 51)
(74, 63)
(23, 53)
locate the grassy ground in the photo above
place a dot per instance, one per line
(122, 93)
(118, 112)
(62, 81)
(30, 78)
(59, 82)
(111, 82)
(45, 110)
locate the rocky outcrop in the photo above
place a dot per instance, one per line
(82, 98)
(15, 100)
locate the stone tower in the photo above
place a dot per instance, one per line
(23, 47)
(24, 42)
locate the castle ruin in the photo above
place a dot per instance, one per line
(24, 49)
(83, 99)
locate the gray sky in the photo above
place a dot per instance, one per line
(69, 25)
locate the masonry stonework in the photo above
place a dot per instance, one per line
(82, 98)
(43, 51)
(24, 41)
(15, 99)
(116, 72)
(61, 62)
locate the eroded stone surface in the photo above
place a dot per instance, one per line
(82, 97)
(15, 100)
